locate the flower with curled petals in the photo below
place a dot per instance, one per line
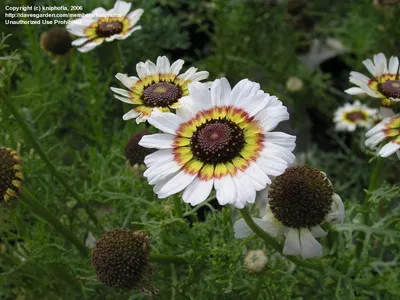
(159, 86)
(299, 201)
(102, 25)
(387, 130)
(384, 85)
(219, 138)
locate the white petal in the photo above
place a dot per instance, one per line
(281, 139)
(134, 16)
(258, 177)
(158, 156)
(123, 99)
(354, 91)
(198, 76)
(370, 66)
(292, 243)
(393, 65)
(257, 103)
(80, 41)
(165, 121)
(200, 95)
(128, 82)
(176, 184)
(161, 170)
(99, 12)
(389, 149)
(242, 230)
(386, 112)
(318, 232)
(310, 247)
(197, 191)
(245, 191)
(337, 212)
(142, 71)
(226, 191)
(269, 118)
(121, 92)
(90, 46)
(163, 65)
(130, 115)
(158, 141)
(190, 72)
(128, 33)
(122, 8)
(76, 28)
(220, 91)
(176, 66)
(237, 90)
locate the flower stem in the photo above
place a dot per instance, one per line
(270, 241)
(44, 213)
(35, 144)
(178, 208)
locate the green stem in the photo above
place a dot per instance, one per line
(270, 241)
(35, 144)
(178, 207)
(44, 213)
(373, 185)
(162, 258)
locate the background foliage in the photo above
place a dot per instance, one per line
(71, 109)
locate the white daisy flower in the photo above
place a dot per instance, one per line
(102, 25)
(384, 85)
(299, 201)
(351, 116)
(219, 138)
(158, 87)
(387, 130)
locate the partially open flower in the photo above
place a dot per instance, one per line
(387, 130)
(351, 116)
(10, 174)
(159, 86)
(385, 84)
(299, 201)
(255, 261)
(56, 41)
(120, 259)
(294, 84)
(134, 153)
(102, 25)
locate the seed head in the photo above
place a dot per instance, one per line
(134, 153)
(56, 41)
(10, 174)
(120, 260)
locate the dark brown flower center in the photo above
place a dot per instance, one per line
(107, 29)
(217, 141)
(355, 116)
(390, 89)
(161, 94)
(301, 197)
(56, 41)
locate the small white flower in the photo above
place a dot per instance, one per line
(294, 84)
(387, 130)
(351, 116)
(385, 84)
(101, 25)
(158, 87)
(219, 138)
(299, 201)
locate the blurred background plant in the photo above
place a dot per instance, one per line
(301, 51)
